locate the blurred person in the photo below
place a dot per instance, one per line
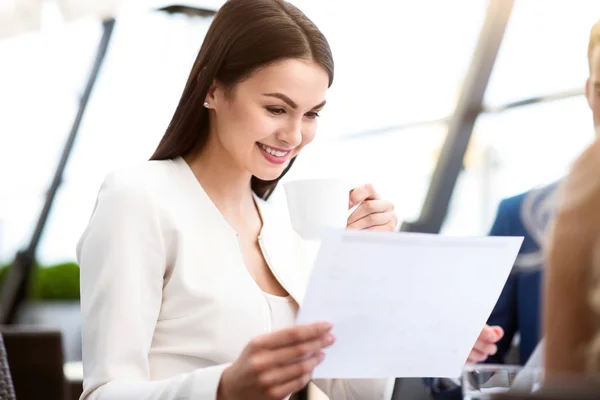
(531, 215)
(518, 309)
(190, 281)
(572, 296)
(572, 292)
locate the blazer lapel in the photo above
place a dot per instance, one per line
(287, 254)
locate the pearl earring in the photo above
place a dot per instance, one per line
(206, 105)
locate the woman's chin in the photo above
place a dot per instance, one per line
(268, 175)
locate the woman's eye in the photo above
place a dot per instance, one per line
(312, 115)
(276, 111)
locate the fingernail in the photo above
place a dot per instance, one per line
(326, 326)
(330, 339)
(321, 356)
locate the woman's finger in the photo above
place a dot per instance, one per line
(498, 331)
(370, 207)
(282, 375)
(292, 354)
(372, 220)
(290, 336)
(362, 193)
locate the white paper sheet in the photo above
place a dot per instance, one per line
(404, 305)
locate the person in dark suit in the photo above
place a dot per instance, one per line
(518, 309)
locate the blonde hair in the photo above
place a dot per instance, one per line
(594, 41)
(593, 358)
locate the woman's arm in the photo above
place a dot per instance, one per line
(123, 260)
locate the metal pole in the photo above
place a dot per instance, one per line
(15, 286)
(460, 129)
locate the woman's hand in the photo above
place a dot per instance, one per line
(486, 344)
(372, 213)
(276, 365)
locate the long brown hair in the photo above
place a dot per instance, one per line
(243, 36)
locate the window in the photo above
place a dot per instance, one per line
(136, 92)
(544, 50)
(397, 62)
(514, 151)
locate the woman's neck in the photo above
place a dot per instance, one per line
(227, 184)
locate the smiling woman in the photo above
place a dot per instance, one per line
(190, 280)
(263, 122)
(283, 155)
(270, 71)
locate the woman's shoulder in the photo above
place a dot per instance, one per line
(142, 188)
(142, 176)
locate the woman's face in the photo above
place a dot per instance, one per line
(267, 119)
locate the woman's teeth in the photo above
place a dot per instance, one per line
(273, 152)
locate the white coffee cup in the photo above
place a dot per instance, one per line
(316, 205)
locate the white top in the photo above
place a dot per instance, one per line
(282, 311)
(167, 302)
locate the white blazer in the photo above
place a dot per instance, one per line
(166, 300)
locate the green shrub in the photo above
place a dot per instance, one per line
(55, 282)
(3, 271)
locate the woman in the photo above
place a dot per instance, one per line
(572, 285)
(572, 310)
(189, 281)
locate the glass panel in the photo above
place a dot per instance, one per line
(544, 49)
(132, 104)
(514, 151)
(18, 216)
(41, 76)
(396, 61)
(144, 74)
(70, 215)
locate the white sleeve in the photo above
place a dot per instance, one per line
(123, 260)
(356, 389)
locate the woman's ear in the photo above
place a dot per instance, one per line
(589, 92)
(210, 101)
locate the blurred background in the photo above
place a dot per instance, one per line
(400, 69)
(446, 106)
